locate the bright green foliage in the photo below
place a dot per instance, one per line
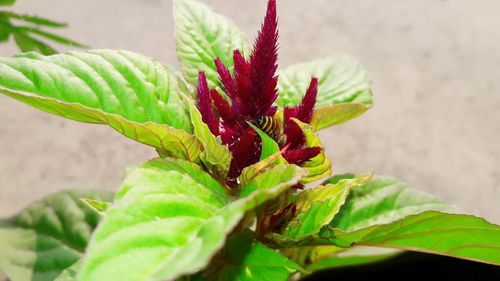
(269, 145)
(343, 91)
(48, 236)
(243, 258)
(215, 156)
(382, 200)
(172, 215)
(456, 235)
(335, 114)
(133, 94)
(272, 180)
(320, 165)
(317, 207)
(387, 213)
(203, 36)
(250, 172)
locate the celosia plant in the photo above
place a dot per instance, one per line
(226, 199)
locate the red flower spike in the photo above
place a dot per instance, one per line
(222, 106)
(252, 91)
(241, 70)
(205, 105)
(294, 135)
(263, 65)
(301, 155)
(246, 151)
(303, 112)
(306, 108)
(225, 78)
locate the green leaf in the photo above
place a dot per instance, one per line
(387, 213)
(33, 19)
(320, 165)
(70, 273)
(277, 178)
(7, 2)
(343, 91)
(5, 29)
(269, 145)
(203, 36)
(355, 256)
(382, 200)
(215, 156)
(173, 217)
(317, 207)
(244, 258)
(336, 114)
(132, 93)
(96, 205)
(326, 257)
(53, 37)
(28, 44)
(48, 236)
(250, 172)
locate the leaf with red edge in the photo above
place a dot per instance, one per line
(320, 165)
(344, 90)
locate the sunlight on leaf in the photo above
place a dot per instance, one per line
(172, 216)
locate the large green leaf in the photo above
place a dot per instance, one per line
(343, 91)
(132, 93)
(202, 36)
(244, 258)
(382, 200)
(48, 236)
(317, 207)
(387, 213)
(173, 217)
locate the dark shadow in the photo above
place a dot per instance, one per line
(409, 266)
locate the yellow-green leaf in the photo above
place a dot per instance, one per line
(344, 90)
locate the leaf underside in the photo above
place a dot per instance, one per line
(131, 93)
(387, 213)
(48, 236)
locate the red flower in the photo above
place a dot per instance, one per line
(252, 92)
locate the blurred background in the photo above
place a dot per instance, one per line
(435, 72)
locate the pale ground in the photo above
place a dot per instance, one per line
(434, 66)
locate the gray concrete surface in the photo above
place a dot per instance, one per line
(434, 66)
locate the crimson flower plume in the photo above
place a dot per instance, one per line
(252, 91)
